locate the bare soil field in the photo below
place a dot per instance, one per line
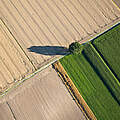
(5, 112)
(74, 91)
(43, 97)
(14, 65)
(55, 22)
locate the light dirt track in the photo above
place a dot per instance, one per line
(43, 97)
(55, 22)
(117, 2)
(14, 65)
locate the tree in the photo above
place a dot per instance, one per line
(75, 48)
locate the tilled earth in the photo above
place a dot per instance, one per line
(43, 97)
(40, 23)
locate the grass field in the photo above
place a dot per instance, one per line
(91, 87)
(96, 74)
(108, 46)
(103, 72)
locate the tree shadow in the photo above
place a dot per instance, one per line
(48, 50)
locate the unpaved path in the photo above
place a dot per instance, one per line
(117, 2)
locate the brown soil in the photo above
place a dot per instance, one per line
(55, 22)
(73, 90)
(43, 97)
(14, 65)
(5, 112)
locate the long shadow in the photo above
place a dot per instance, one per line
(49, 50)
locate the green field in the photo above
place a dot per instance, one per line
(109, 47)
(103, 72)
(96, 75)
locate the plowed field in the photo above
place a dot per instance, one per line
(5, 112)
(44, 97)
(14, 65)
(55, 22)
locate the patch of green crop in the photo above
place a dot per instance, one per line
(91, 87)
(108, 46)
(103, 72)
(95, 73)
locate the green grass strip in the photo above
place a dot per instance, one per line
(108, 46)
(91, 87)
(105, 64)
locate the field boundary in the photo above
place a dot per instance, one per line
(51, 61)
(115, 5)
(104, 63)
(73, 91)
(104, 30)
(11, 111)
(18, 43)
(36, 70)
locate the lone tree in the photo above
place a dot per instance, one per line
(75, 48)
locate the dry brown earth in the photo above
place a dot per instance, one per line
(43, 97)
(74, 91)
(14, 65)
(5, 112)
(55, 22)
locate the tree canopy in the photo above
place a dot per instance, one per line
(75, 48)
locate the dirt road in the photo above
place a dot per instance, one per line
(117, 2)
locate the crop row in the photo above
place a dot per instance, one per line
(91, 87)
(103, 72)
(108, 46)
